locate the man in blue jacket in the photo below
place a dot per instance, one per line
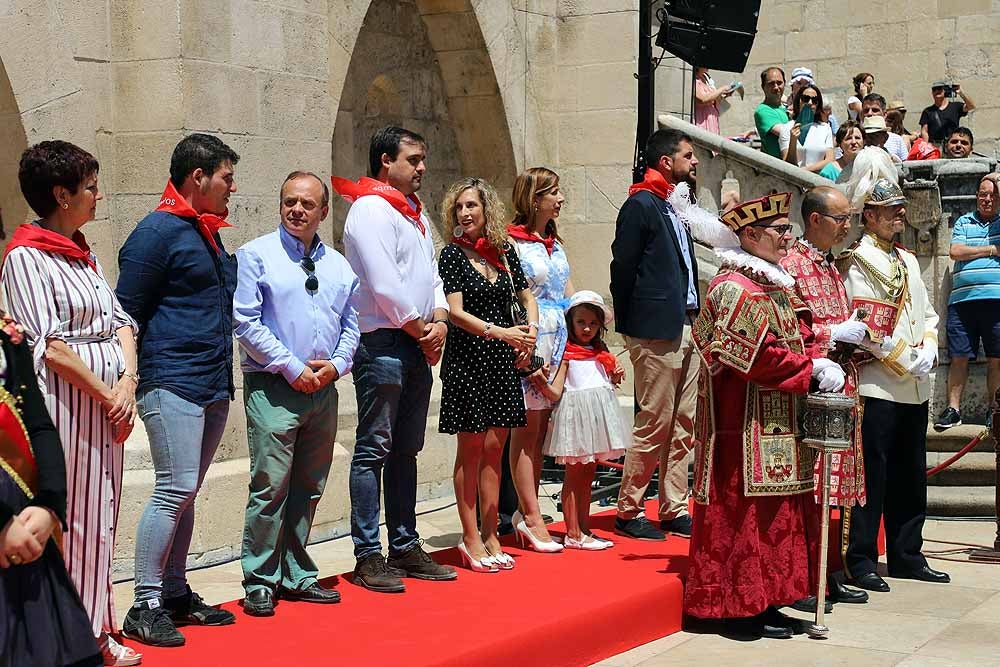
(654, 284)
(177, 280)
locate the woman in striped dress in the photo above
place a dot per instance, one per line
(83, 348)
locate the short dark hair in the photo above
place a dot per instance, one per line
(763, 75)
(48, 164)
(386, 141)
(874, 97)
(846, 127)
(663, 142)
(964, 131)
(306, 174)
(199, 151)
(815, 201)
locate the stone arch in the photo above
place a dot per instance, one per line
(13, 209)
(424, 64)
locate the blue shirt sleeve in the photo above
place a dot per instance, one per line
(143, 262)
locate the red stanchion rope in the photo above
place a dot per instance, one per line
(962, 452)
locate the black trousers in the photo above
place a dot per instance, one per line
(894, 437)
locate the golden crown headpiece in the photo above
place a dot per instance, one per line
(757, 211)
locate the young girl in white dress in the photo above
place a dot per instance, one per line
(586, 425)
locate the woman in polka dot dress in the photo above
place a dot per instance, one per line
(481, 398)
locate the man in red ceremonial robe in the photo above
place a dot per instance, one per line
(824, 310)
(753, 476)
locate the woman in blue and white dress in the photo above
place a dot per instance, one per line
(537, 202)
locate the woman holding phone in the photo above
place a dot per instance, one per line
(808, 140)
(707, 96)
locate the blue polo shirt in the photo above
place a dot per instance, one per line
(180, 291)
(975, 279)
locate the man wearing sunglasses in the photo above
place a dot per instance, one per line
(753, 474)
(825, 309)
(296, 320)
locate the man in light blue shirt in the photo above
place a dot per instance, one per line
(974, 302)
(296, 320)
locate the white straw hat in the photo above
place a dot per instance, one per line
(589, 296)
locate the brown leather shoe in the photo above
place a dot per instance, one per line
(417, 564)
(372, 573)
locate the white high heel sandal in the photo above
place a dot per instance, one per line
(484, 564)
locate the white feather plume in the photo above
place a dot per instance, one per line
(703, 225)
(871, 164)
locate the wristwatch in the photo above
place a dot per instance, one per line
(533, 324)
(486, 331)
(132, 376)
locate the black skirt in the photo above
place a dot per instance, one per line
(42, 621)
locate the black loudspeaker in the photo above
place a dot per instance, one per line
(717, 34)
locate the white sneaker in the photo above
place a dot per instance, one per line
(117, 655)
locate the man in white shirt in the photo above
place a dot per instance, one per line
(402, 314)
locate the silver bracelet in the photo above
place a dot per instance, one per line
(486, 331)
(533, 324)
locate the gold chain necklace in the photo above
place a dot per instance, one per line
(895, 282)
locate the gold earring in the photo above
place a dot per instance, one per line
(65, 205)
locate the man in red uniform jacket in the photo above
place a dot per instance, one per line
(753, 476)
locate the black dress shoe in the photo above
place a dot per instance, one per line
(924, 573)
(313, 593)
(872, 582)
(843, 593)
(809, 605)
(259, 602)
(749, 629)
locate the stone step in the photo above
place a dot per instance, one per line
(957, 437)
(973, 469)
(961, 501)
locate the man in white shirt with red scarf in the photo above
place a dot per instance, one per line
(402, 314)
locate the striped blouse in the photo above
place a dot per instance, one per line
(55, 297)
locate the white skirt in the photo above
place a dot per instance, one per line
(586, 426)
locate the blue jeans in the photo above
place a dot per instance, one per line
(183, 438)
(393, 385)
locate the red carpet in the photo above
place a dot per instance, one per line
(570, 608)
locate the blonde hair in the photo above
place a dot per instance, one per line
(494, 212)
(534, 182)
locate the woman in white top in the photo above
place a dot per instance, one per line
(864, 82)
(808, 140)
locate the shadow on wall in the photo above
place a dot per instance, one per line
(13, 209)
(419, 67)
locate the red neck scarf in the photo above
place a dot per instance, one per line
(208, 223)
(32, 236)
(576, 352)
(653, 182)
(484, 249)
(352, 191)
(521, 234)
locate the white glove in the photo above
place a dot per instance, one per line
(850, 331)
(926, 358)
(831, 379)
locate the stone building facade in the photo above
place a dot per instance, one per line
(495, 85)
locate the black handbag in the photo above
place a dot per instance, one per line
(519, 317)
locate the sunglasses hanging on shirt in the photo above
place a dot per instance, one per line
(309, 266)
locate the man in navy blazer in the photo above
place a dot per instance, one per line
(654, 284)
